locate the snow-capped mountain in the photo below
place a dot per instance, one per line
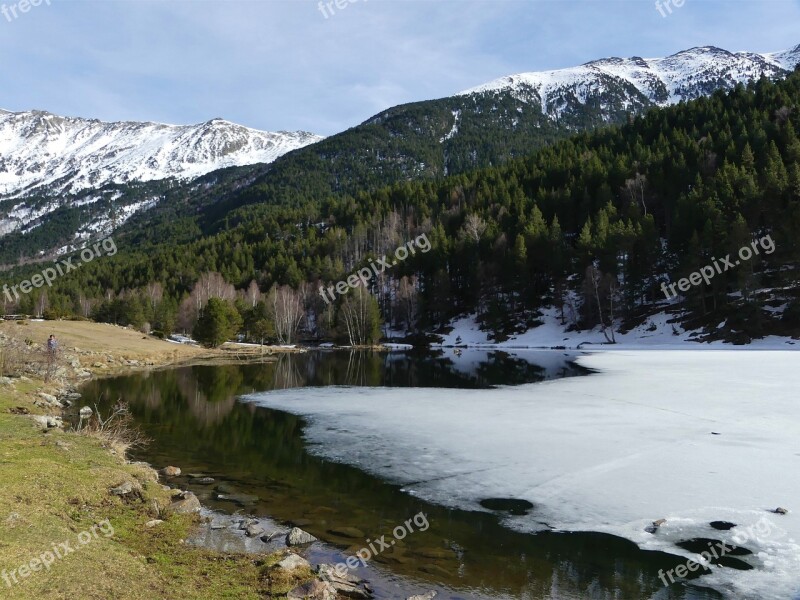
(44, 153)
(63, 180)
(635, 83)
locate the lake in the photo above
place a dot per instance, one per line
(197, 421)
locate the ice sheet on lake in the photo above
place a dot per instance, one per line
(691, 437)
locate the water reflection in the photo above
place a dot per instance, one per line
(195, 422)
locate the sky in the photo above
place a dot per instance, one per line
(297, 65)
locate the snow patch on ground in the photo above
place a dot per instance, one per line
(654, 333)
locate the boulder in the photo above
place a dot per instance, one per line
(185, 503)
(50, 400)
(170, 471)
(298, 537)
(47, 422)
(153, 523)
(347, 585)
(253, 530)
(292, 562)
(124, 489)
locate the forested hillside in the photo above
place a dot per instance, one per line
(592, 225)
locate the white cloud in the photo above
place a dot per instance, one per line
(282, 65)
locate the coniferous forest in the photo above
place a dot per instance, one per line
(591, 226)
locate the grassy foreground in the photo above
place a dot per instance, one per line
(55, 500)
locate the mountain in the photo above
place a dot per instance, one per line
(126, 163)
(45, 153)
(507, 118)
(635, 83)
(596, 229)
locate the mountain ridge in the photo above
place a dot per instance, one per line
(41, 152)
(423, 140)
(662, 81)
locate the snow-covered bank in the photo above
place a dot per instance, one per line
(692, 437)
(655, 333)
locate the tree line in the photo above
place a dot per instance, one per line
(592, 226)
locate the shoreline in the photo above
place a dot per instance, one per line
(84, 364)
(151, 521)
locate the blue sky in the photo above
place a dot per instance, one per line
(280, 64)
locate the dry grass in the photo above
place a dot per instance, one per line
(101, 338)
(117, 430)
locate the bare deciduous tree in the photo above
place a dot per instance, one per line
(473, 227)
(601, 291)
(287, 311)
(361, 318)
(253, 294)
(407, 301)
(154, 294)
(636, 190)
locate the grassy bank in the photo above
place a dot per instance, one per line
(55, 487)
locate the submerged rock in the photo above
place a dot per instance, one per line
(225, 488)
(429, 596)
(347, 532)
(240, 499)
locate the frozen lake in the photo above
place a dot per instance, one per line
(544, 489)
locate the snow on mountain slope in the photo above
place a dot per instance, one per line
(658, 81)
(43, 152)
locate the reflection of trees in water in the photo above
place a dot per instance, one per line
(287, 373)
(356, 368)
(196, 422)
(210, 393)
(152, 396)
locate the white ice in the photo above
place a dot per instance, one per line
(687, 436)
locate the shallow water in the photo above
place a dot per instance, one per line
(195, 422)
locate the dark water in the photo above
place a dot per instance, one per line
(195, 422)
